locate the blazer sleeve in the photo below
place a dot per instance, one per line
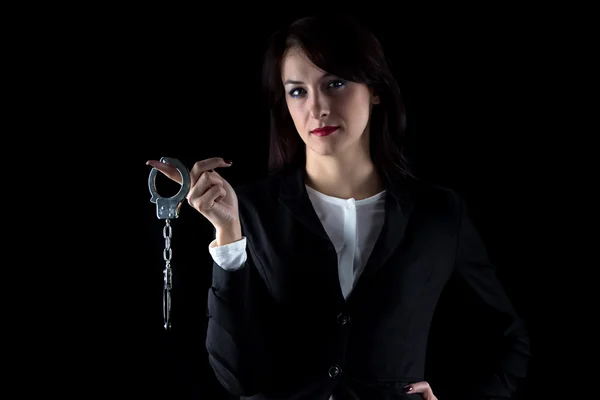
(478, 275)
(235, 339)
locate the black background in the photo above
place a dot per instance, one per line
(480, 88)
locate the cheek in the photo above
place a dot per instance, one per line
(358, 108)
(349, 103)
(296, 113)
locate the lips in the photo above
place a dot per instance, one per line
(325, 130)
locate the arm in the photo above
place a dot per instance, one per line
(477, 274)
(235, 340)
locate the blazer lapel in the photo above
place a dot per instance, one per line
(399, 203)
(293, 194)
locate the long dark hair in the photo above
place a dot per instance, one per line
(343, 47)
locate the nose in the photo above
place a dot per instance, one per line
(319, 106)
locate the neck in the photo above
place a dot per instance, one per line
(346, 176)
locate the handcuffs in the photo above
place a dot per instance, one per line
(167, 208)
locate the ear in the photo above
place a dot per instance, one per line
(374, 98)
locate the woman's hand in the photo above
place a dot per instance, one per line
(421, 387)
(210, 194)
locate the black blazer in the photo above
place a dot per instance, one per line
(280, 328)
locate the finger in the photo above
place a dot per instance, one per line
(218, 177)
(205, 165)
(421, 387)
(208, 199)
(168, 170)
(204, 183)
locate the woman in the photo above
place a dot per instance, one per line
(327, 274)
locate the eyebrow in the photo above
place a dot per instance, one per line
(292, 82)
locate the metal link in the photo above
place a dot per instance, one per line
(168, 230)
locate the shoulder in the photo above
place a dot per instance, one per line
(436, 191)
(257, 204)
(435, 198)
(258, 191)
(257, 186)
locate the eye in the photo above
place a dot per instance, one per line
(337, 84)
(293, 93)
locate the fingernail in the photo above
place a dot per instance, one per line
(407, 389)
(228, 161)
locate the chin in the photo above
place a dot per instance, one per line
(324, 152)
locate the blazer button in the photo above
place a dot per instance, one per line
(342, 319)
(334, 371)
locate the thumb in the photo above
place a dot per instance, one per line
(421, 387)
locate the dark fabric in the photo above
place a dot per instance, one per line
(274, 328)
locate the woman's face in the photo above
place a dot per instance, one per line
(316, 99)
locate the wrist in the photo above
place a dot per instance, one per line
(229, 233)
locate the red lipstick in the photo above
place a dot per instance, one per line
(324, 131)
